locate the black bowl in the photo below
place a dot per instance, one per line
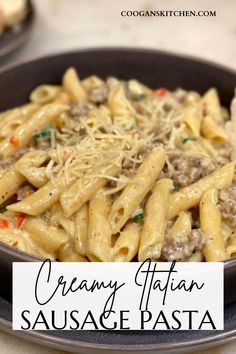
(154, 68)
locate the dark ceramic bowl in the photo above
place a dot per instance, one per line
(151, 67)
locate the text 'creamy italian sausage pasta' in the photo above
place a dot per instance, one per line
(95, 170)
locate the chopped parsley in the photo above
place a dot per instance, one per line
(45, 133)
(187, 139)
(138, 96)
(138, 218)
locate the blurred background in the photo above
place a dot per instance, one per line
(62, 25)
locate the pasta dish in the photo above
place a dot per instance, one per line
(112, 170)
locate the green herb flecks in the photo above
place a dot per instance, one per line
(138, 218)
(187, 139)
(45, 133)
(138, 96)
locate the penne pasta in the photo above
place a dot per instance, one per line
(82, 190)
(210, 219)
(121, 109)
(10, 182)
(44, 94)
(43, 199)
(99, 231)
(30, 167)
(213, 131)
(231, 247)
(72, 85)
(156, 212)
(127, 244)
(68, 254)
(90, 82)
(196, 257)
(190, 196)
(48, 237)
(22, 241)
(137, 189)
(211, 103)
(23, 134)
(13, 118)
(182, 226)
(192, 119)
(81, 234)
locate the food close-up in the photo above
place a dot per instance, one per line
(111, 170)
(117, 168)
